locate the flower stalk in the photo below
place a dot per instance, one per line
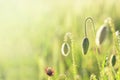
(68, 37)
(85, 42)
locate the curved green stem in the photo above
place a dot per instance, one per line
(89, 18)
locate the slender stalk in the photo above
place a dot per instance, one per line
(73, 59)
(66, 38)
(49, 78)
(90, 18)
(114, 73)
(112, 27)
(111, 24)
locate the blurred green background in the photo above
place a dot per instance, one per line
(32, 32)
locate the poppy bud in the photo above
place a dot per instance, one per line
(85, 45)
(113, 60)
(65, 49)
(101, 35)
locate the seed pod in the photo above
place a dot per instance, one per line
(85, 45)
(101, 35)
(113, 60)
(65, 49)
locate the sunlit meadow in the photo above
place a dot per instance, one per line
(53, 40)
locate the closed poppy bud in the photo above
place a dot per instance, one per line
(85, 45)
(113, 60)
(101, 35)
(65, 49)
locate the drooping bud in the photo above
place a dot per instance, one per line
(65, 49)
(113, 60)
(101, 35)
(85, 45)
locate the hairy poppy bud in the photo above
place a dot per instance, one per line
(113, 60)
(85, 45)
(65, 49)
(101, 35)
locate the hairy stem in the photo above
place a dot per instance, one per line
(73, 59)
(89, 18)
(49, 78)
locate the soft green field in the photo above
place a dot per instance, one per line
(32, 33)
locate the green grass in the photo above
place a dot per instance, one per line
(32, 33)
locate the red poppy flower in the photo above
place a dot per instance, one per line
(49, 71)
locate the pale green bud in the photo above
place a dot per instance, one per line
(65, 49)
(113, 60)
(85, 45)
(101, 35)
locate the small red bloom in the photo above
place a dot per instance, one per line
(49, 71)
